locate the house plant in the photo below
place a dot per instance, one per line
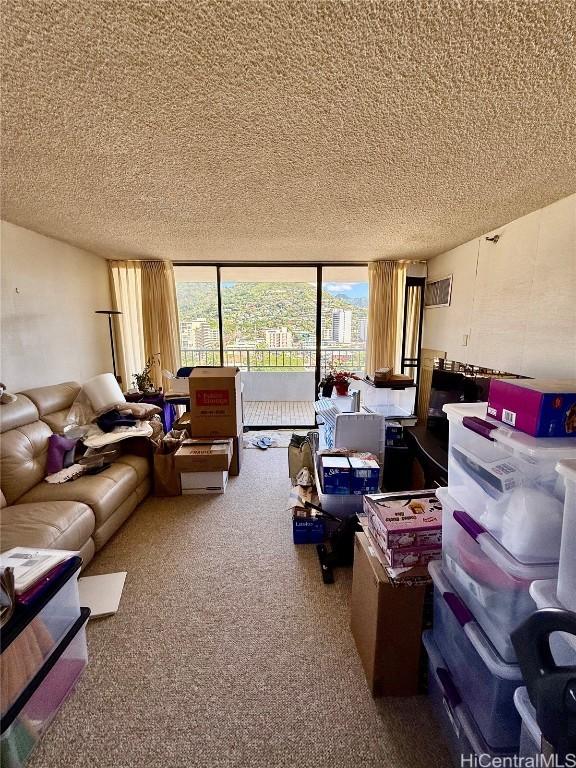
(327, 385)
(143, 381)
(342, 381)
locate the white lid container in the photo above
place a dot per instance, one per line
(507, 481)
(562, 645)
(493, 584)
(567, 568)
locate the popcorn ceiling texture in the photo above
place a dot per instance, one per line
(284, 129)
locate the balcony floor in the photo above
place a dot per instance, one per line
(278, 413)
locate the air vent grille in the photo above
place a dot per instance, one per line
(438, 292)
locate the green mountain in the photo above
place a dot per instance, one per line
(248, 309)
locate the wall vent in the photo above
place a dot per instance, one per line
(438, 292)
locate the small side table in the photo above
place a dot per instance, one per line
(168, 414)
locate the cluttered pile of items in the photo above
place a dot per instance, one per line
(42, 644)
(204, 446)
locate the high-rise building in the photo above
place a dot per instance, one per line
(342, 326)
(278, 338)
(363, 329)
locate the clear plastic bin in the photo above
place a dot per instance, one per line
(487, 682)
(463, 737)
(34, 632)
(335, 504)
(567, 569)
(562, 645)
(493, 584)
(506, 480)
(531, 735)
(26, 721)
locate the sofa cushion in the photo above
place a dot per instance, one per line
(23, 458)
(51, 525)
(15, 414)
(103, 492)
(56, 397)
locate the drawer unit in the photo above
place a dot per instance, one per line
(35, 630)
(493, 584)
(507, 481)
(24, 724)
(486, 681)
(461, 732)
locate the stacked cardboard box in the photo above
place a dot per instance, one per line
(407, 527)
(214, 423)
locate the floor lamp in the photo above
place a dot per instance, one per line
(110, 312)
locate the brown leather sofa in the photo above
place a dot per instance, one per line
(81, 514)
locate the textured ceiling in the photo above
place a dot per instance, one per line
(279, 130)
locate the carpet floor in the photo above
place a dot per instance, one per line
(228, 651)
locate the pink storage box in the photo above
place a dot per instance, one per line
(405, 520)
(538, 407)
(408, 558)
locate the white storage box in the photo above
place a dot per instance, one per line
(531, 735)
(463, 736)
(492, 583)
(507, 481)
(562, 645)
(567, 568)
(486, 682)
(392, 403)
(204, 482)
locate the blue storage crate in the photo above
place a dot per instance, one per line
(307, 530)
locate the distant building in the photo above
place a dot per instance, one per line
(342, 326)
(363, 329)
(278, 338)
(197, 334)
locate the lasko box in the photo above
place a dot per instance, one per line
(538, 407)
(215, 402)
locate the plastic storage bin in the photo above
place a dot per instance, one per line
(506, 480)
(567, 569)
(562, 645)
(462, 734)
(335, 504)
(34, 632)
(486, 681)
(493, 584)
(531, 735)
(24, 724)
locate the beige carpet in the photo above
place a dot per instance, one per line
(228, 651)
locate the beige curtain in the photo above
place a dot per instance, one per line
(126, 285)
(387, 280)
(145, 293)
(160, 317)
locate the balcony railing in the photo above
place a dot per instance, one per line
(253, 359)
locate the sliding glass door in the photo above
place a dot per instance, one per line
(198, 315)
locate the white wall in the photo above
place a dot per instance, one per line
(49, 330)
(515, 300)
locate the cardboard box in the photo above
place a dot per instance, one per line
(365, 476)
(412, 519)
(336, 475)
(542, 408)
(204, 455)
(386, 623)
(215, 402)
(306, 529)
(237, 455)
(204, 482)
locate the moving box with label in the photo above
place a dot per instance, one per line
(204, 455)
(215, 402)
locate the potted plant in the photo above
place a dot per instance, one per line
(327, 385)
(143, 381)
(342, 381)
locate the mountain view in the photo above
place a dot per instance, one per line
(272, 315)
